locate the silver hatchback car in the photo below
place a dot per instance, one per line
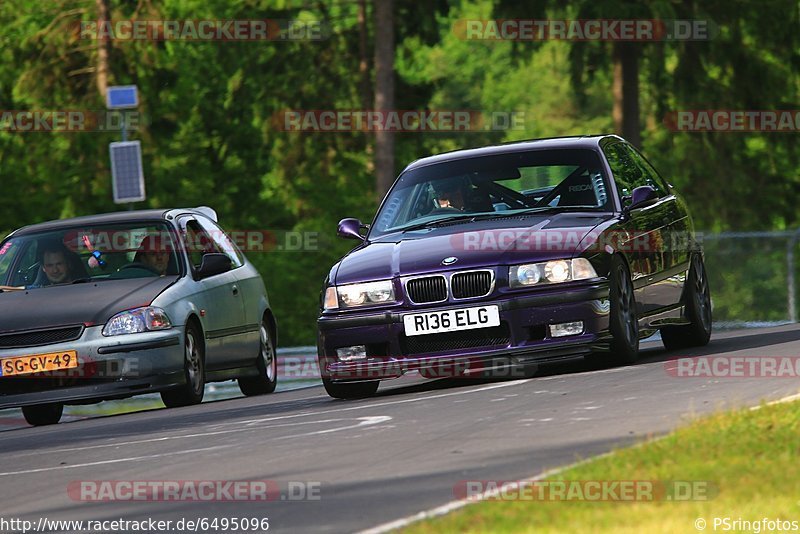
(115, 305)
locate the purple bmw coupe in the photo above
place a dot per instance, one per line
(507, 256)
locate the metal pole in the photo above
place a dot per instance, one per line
(790, 281)
(125, 138)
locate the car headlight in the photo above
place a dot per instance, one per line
(137, 320)
(551, 272)
(352, 295)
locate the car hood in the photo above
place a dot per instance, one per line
(90, 303)
(476, 244)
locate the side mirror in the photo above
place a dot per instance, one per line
(641, 196)
(350, 229)
(212, 264)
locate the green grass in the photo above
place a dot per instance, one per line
(750, 457)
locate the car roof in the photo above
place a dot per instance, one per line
(109, 218)
(549, 143)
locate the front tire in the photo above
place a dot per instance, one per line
(698, 311)
(354, 390)
(43, 414)
(624, 321)
(267, 365)
(191, 392)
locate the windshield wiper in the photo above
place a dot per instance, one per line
(436, 222)
(466, 217)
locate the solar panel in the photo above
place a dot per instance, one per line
(127, 176)
(122, 97)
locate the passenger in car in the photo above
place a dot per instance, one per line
(155, 252)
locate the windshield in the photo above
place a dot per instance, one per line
(87, 254)
(495, 186)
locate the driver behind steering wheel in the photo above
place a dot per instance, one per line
(451, 193)
(154, 252)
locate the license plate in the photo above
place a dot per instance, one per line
(418, 324)
(36, 363)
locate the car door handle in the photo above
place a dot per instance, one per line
(235, 290)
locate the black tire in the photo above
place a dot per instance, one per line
(191, 392)
(43, 414)
(624, 321)
(267, 365)
(353, 390)
(697, 300)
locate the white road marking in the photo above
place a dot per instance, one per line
(598, 372)
(168, 438)
(364, 421)
(114, 461)
(382, 404)
(251, 424)
(789, 398)
(455, 505)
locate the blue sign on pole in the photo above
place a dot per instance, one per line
(122, 97)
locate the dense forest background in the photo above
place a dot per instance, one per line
(209, 135)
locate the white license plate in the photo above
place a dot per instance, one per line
(417, 324)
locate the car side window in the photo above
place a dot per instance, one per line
(629, 173)
(222, 243)
(198, 243)
(653, 178)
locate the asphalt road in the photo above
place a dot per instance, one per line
(375, 460)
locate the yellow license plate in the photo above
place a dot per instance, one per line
(36, 363)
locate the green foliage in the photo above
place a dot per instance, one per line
(210, 134)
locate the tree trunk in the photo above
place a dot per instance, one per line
(625, 91)
(384, 93)
(103, 47)
(363, 58)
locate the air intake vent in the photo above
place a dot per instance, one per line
(471, 284)
(33, 338)
(497, 336)
(427, 289)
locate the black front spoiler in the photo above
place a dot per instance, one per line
(89, 393)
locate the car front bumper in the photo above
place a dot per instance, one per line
(108, 368)
(523, 337)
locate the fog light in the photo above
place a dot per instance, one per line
(566, 329)
(356, 352)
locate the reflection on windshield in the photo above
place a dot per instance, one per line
(494, 186)
(88, 254)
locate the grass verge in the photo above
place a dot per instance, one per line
(746, 460)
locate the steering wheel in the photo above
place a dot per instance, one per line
(139, 265)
